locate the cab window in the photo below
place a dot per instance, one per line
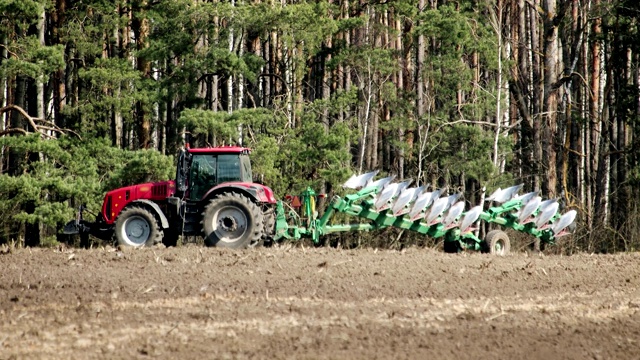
(228, 168)
(247, 176)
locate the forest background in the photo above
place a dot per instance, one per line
(472, 94)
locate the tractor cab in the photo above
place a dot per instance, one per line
(201, 169)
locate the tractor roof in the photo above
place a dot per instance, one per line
(220, 150)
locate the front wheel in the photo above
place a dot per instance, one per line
(137, 227)
(496, 242)
(232, 221)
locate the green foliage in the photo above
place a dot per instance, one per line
(209, 128)
(368, 61)
(68, 173)
(297, 20)
(318, 156)
(21, 13)
(180, 30)
(287, 160)
(464, 149)
(110, 87)
(141, 166)
(31, 59)
(460, 34)
(90, 23)
(452, 144)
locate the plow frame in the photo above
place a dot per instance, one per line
(306, 223)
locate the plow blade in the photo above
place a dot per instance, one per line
(469, 218)
(382, 183)
(565, 221)
(359, 181)
(503, 195)
(451, 199)
(439, 206)
(528, 196)
(548, 212)
(389, 193)
(453, 214)
(528, 210)
(400, 207)
(422, 203)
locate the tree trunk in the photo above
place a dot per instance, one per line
(420, 68)
(58, 80)
(516, 46)
(538, 91)
(550, 105)
(400, 153)
(4, 90)
(496, 18)
(140, 27)
(122, 51)
(40, 102)
(594, 116)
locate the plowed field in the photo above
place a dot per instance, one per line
(320, 303)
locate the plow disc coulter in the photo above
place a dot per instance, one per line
(383, 203)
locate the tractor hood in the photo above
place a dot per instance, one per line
(116, 200)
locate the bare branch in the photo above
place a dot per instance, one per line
(13, 131)
(476, 122)
(32, 121)
(9, 51)
(29, 118)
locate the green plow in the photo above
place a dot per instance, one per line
(383, 203)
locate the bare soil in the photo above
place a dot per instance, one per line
(319, 303)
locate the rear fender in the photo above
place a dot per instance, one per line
(259, 194)
(150, 204)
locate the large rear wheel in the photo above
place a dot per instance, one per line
(137, 227)
(232, 221)
(496, 242)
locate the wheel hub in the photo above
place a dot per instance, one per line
(498, 247)
(137, 230)
(228, 224)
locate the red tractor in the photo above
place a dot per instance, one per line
(213, 195)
